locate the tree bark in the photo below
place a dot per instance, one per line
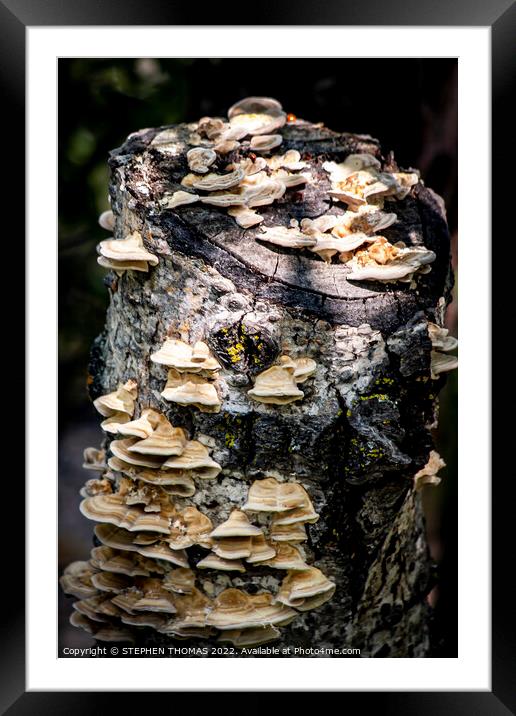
(363, 429)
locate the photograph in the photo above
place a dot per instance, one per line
(257, 361)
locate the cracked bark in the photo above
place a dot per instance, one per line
(361, 432)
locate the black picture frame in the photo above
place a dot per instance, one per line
(500, 15)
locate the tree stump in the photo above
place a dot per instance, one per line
(362, 430)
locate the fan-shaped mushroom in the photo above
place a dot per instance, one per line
(287, 557)
(200, 159)
(266, 142)
(165, 440)
(234, 609)
(257, 115)
(237, 525)
(288, 237)
(300, 585)
(269, 495)
(114, 510)
(195, 457)
(107, 220)
(119, 538)
(213, 561)
(381, 261)
(179, 355)
(120, 401)
(130, 252)
(191, 389)
(178, 198)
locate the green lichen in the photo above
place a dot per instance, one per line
(235, 352)
(384, 381)
(230, 440)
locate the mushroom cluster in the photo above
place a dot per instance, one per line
(117, 407)
(359, 180)
(352, 237)
(191, 375)
(247, 183)
(139, 576)
(442, 344)
(160, 562)
(278, 385)
(128, 254)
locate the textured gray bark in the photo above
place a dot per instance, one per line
(362, 430)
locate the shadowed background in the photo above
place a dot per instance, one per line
(410, 105)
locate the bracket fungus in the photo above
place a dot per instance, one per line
(237, 525)
(184, 358)
(101, 632)
(249, 182)
(299, 586)
(179, 581)
(120, 562)
(107, 220)
(123, 254)
(257, 115)
(266, 142)
(193, 559)
(109, 582)
(178, 198)
(213, 181)
(234, 609)
(196, 458)
(328, 234)
(97, 608)
(191, 389)
(94, 459)
(269, 495)
(153, 546)
(190, 527)
(175, 482)
(261, 550)
(76, 580)
(278, 385)
(244, 216)
(200, 159)
(287, 237)
(359, 178)
(114, 510)
(293, 533)
(213, 561)
(291, 160)
(165, 440)
(102, 486)
(428, 474)
(143, 427)
(233, 538)
(232, 548)
(154, 598)
(287, 557)
(442, 343)
(190, 619)
(120, 401)
(382, 261)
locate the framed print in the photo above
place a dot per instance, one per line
(255, 267)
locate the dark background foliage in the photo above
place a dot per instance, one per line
(409, 104)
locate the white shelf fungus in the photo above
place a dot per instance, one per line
(442, 343)
(126, 254)
(278, 385)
